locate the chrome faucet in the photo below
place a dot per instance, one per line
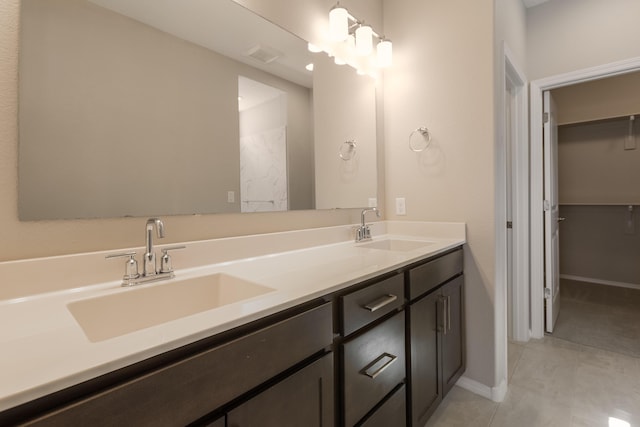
(363, 232)
(150, 270)
(149, 267)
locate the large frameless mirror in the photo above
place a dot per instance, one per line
(139, 107)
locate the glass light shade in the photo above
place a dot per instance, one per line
(364, 40)
(313, 48)
(384, 53)
(338, 24)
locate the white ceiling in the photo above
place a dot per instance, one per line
(222, 26)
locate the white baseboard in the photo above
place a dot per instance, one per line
(496, 394)
(600, 281)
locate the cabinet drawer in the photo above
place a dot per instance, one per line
(191, 388)
(374, 364)
(433, 273)
(366, 305)
(305, 399)
(393, 412)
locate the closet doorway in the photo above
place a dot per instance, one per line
(537, 87)
(598, 176)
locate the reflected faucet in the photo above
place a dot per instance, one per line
(149, 267)
(363, 233)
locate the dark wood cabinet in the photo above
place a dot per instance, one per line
(220, 422)
(374, 364)
(436, 338)
(366, 305)
(197, 384)
(425, 355)
(392, 413)
(303, 399)
(397, 342)
(453, 337)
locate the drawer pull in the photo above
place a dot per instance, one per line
(379, 365)
(380, 302)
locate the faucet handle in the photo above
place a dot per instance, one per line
(165, 261)
(131, 267)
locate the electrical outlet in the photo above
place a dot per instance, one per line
(231, 196)
(401, 206)
(373, 202)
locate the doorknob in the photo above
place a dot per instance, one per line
(560, 219)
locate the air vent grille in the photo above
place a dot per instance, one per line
(264, 54)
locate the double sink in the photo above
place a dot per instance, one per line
(144, 306)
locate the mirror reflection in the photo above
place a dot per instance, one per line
(139, 108)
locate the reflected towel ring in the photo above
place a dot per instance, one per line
(419, 144)
(347, 150)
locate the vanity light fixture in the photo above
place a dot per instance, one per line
(351, 41)
(384, 51)
(338, 23)
(364, 40)
(313, 48)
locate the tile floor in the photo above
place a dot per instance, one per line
(558, 383)
(599, 316)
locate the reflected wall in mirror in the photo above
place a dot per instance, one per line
(132, 108)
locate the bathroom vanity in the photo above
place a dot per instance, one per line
(379, 344)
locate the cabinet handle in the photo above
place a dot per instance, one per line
(380, 302)
(380, 364)
(443, 326)
(448, 313)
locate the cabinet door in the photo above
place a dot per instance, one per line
(393, 413)
(425, 385)
(453, 337)
(303, 399)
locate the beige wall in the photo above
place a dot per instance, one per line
(595, 172)
(599, 99)
(595, 243)
(442, 78)
(511, 17)
(568, 35)
(42, 238)
(594, 167)
(339, 182)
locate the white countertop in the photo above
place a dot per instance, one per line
(45, 350)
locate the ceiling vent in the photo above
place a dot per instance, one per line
(263, 54)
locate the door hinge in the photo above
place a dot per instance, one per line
(546, 205)
(546, 117)
(509, 224)
(547, 292)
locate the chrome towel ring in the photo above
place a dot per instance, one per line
(419, 139)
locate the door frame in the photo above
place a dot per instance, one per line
(510, 73)
(519, 302)
(537, 87)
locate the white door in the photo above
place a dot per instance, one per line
(551, 230)
(509, 140)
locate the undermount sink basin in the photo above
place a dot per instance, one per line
(399, 245)
(141, 307)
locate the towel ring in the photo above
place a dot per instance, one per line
(422, 143)
(347, 150)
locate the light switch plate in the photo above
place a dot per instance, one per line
(373, 202)
(231, 196)
(401, 206)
